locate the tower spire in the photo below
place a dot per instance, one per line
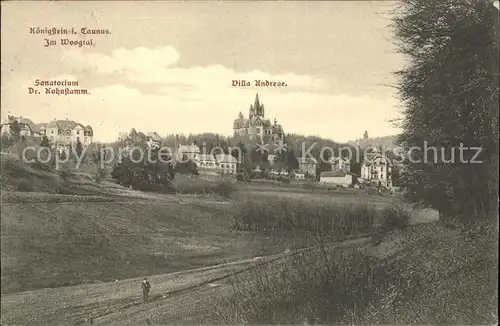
(257, 104)
(259, 108)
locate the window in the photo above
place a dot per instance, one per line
(258, 130)
(78, 132)
(222, 165)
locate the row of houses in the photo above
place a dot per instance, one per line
(206, 163)
(375, 169)
(61, 133)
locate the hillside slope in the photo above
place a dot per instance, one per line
(444, 276)
(386, 142)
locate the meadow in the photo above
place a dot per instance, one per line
(60, 232)
(64, 231)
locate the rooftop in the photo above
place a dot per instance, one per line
(154, 136)
(189, 148)
(225, 158)
(334, 174)
(205, 157)
(306, 160)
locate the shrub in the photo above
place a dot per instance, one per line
(224, 189)
(24, 185)
(99, 175)
(65, 173)
(254, 213)
(394, 217)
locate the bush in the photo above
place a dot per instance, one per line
(99, 175)
(224, 189)
(24, 185)
(394, 217)
(254, 213)
(65, 173)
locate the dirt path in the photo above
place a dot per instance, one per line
(174, 295)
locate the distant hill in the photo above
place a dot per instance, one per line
(384, 142)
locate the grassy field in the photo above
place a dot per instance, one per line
(58, 233)
(47, 244)
(106, 232)
(70, 231)
(75, 231)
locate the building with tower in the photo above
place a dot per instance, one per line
(257, 126)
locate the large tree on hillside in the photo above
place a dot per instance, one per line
(450, 92)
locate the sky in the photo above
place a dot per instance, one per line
(168, 67)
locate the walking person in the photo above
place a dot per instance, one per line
(145, 290)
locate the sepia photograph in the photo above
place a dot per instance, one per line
(249, 162)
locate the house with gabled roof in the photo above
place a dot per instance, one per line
(68, 132)
(153, 139)
(61, 133)
(377, 169)
(227, 163)
(337, 177)
(28, 127)
(340, 163)
(307, 164)
(189, 151)
(206, 162)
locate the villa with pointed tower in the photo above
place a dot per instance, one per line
(257, 126)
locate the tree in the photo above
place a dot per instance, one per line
(45, 142)
(46, 154)
(6, 141)
(62, 155)
(155, 174)
(242, 151)
(15, 130)
(79, 148)
(450, 93)
(186, 166)
(101, 156)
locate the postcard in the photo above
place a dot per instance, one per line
(243, 162)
